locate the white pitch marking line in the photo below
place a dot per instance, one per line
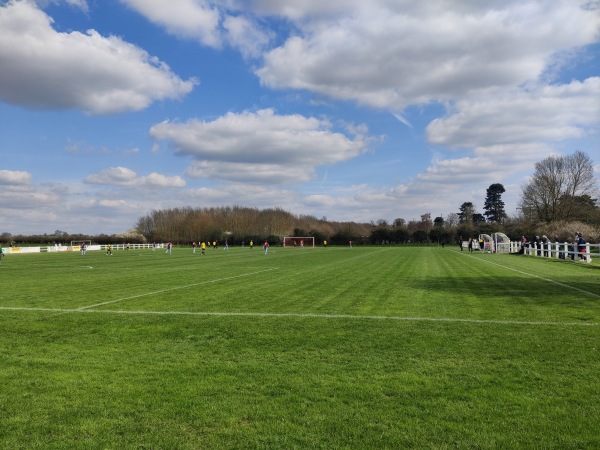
(308, 315)
(537, 276)
(146, 294)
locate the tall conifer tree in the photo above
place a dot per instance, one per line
(494, 206)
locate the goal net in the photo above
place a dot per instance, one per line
(299, 241)
(87, 243)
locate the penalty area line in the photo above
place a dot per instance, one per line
(176, 288)
(305, 315)
(60, 312)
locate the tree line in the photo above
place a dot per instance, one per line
(240, 224)
(558, 200)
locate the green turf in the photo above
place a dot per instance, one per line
(379, 347)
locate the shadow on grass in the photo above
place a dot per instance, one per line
(514, 289)
(593, 266)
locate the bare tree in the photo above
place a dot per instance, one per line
(426, 221)
(581, 182)
(452, 220)
(557, 181)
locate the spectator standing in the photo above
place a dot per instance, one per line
(544, 243)
(581, 247)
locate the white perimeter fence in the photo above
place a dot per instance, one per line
(77, 248)
(557, 250)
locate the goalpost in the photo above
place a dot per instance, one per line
(299, 241)
(87, 242)
(78, 246)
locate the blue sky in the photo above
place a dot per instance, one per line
(346, 109)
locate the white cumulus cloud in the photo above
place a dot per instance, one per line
(260, 146)
(43, 68)
(122, 176)
(14, 177)
(393, 54)
(195, 19)
(544, 113)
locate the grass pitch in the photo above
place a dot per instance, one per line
(376, 347)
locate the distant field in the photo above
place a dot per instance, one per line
(375, 347)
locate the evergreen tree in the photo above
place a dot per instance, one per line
(494, 206)
(478, 218)
(466, 212)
